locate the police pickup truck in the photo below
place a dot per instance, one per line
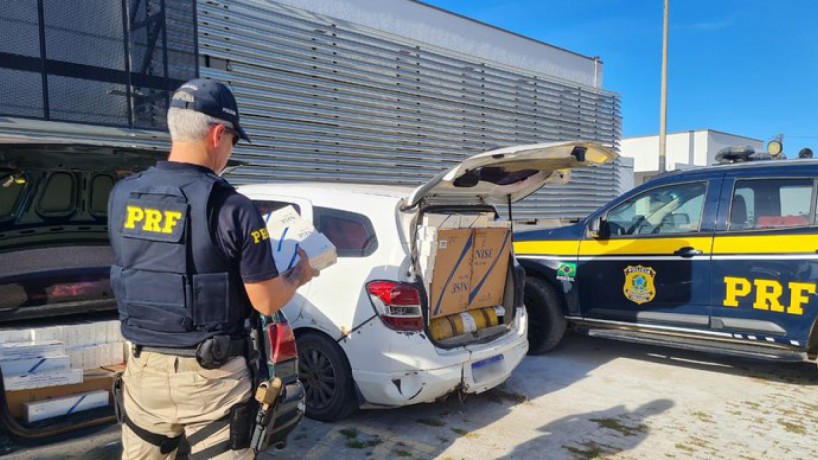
(722, 259)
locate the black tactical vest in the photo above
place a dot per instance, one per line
(172, 285)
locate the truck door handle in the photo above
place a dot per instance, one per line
(687, 251)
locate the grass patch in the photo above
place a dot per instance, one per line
(590, 450)
(355, 444)
(498, 396)
(703, 416)
(460, 431)
(793, 427)
(349, 433)
(358, 444)
(683, 447)
(698, 442)
(403, 453)
(616, 425)
(430, 421)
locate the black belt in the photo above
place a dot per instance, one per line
(237, 347)
(186, 352)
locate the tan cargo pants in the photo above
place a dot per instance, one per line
(169, 395)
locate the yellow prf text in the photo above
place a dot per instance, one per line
(767, 294)
(152, 220)
(260, 235)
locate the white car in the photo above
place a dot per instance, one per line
(362, 326)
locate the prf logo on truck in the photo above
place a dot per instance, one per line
(767, 294)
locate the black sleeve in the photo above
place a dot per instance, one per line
(241, 234)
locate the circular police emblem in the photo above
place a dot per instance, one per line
(639, 287)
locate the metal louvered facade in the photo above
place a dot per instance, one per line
(325, 99)
(329, 99)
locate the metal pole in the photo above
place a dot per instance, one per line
(663, 104)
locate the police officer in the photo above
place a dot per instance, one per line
(187, 274)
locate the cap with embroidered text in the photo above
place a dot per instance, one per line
(209, 97)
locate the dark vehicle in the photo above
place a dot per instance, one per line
(719, 259)
(56, 261)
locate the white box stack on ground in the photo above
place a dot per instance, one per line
(66, 405)
(288, 232)
(35, 364)
(27, 350)
(19, 367)
(93, 345)
(15, 335)
(45, 379)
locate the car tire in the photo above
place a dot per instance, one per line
(546, 321)
(325, 373)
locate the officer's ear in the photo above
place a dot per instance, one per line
(215, 134)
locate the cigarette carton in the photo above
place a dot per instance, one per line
(288, 232)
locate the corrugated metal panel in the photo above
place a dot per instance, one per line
(329, 100)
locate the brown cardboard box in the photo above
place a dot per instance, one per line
(489, 267)
(97, 379)
(452, 272)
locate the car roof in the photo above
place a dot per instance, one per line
(750, 165)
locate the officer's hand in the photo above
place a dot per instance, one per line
(303, 269)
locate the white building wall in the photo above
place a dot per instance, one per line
(689, 148)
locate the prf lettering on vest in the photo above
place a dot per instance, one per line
(152, 220)
(259, 235)
(767, 294)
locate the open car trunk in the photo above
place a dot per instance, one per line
(462, 253)
(58, 323)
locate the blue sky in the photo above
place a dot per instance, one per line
(748, 67)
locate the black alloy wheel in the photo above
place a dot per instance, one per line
(324, 371)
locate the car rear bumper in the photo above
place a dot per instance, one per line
(481, 370)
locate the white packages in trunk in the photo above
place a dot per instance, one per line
(288, 232)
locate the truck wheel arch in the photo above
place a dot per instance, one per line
(546, 313)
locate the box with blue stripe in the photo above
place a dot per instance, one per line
(492, 248)
(451, 278)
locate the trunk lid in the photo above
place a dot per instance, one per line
(513, 173)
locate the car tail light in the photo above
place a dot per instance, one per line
(397, 304)
(281, 342)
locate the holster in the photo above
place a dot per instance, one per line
(216, 351)
(119, 405)
(241, 424)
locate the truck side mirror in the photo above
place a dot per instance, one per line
(597, 227)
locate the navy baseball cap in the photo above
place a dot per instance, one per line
(209, 97)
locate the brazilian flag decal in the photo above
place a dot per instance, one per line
(567, 271)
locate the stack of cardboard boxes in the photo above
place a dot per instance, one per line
(464, 262)
(52, 371)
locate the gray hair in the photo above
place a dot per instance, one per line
(189, 125)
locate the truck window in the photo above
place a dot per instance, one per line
(765, 204)
(670, 209)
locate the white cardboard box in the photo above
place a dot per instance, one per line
(65, 405)
(19, 367)
(47, 333)
(25, 350)
(46, 379)
(15, 335)
(289, 232)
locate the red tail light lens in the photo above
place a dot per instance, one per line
(282, 342)
(397, 304)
